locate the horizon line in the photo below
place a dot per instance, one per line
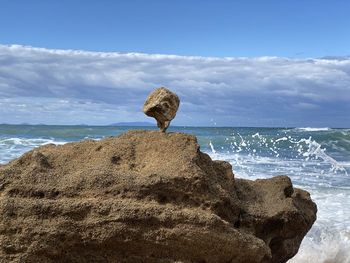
(181, 126)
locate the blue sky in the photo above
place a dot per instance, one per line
(233, 63)
(292, 28)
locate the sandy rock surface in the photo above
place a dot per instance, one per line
(144, 196)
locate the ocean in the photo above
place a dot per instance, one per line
(316, 159)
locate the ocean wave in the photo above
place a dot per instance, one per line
(29, 142)
(331, 248)
(329, 239)
(11, 148)
(309, 129)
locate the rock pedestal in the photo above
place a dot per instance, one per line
(144, 196)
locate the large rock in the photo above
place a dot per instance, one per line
(162, 104)
(144, 197)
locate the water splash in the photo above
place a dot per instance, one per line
(212, 148)
(329, 239)
(315, 149)
(262, 155)
(330, 248)
(293, 152)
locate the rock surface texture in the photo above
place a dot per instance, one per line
(144, 196)
(162, 104)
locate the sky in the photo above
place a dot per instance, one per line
(233, 63)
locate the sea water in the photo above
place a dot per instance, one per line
(316, 159)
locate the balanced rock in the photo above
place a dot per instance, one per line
(162, 104)
(144, 197)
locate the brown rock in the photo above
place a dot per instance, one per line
(162, 104)
(144, 197)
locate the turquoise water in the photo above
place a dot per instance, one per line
(317, 160)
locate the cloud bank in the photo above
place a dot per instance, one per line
(40, 85)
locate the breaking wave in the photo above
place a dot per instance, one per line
(309, 129)
(11, 148)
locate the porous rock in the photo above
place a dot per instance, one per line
(144, 197)
(162, 104)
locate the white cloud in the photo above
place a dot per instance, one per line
(67, 86)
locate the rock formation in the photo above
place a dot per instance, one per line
(144, 196)
(162, 104)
